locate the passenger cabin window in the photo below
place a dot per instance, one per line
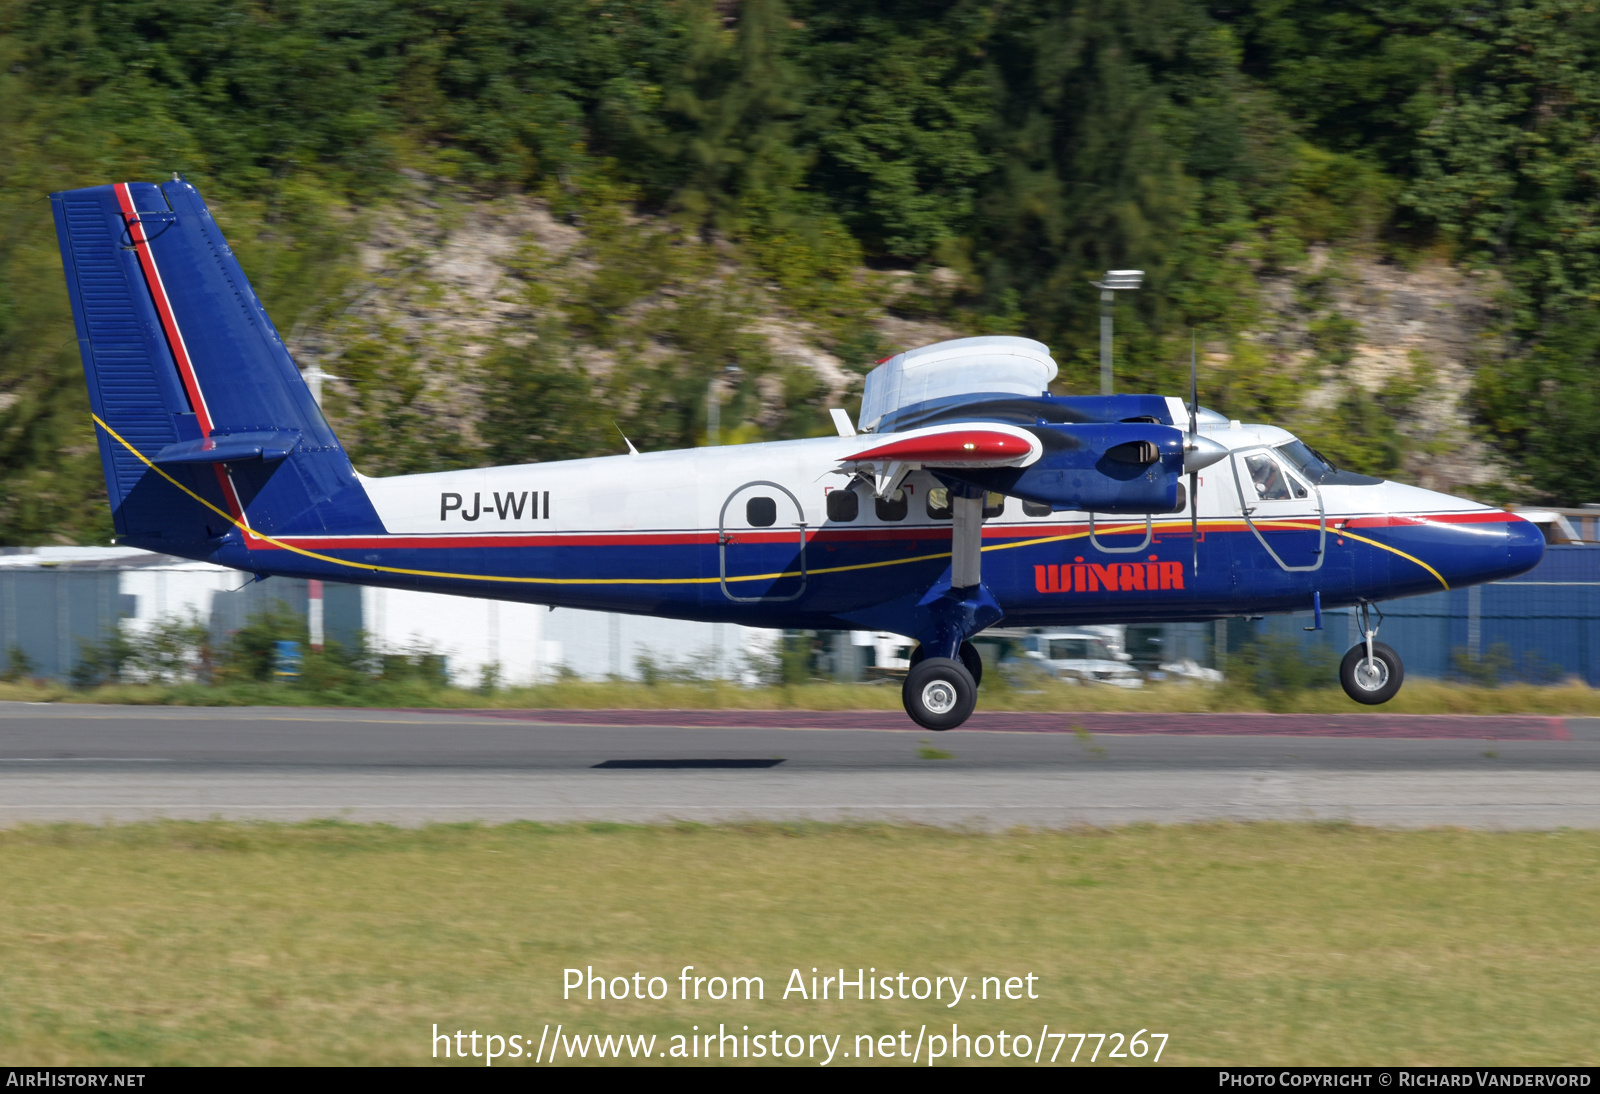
(761, 512)
(843, 505)
(939, 504)
(1034, 509)
(1270, 480)
(893, 507)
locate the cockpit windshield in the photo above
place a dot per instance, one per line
(1307, 460)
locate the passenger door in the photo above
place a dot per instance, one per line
(761, 544)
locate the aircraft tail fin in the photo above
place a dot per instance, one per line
(200, 410)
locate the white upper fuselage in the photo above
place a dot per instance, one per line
(686, 489)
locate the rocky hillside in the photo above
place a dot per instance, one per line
(450, 297)
(516, 229)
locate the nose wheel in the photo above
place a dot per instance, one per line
(1371, 672)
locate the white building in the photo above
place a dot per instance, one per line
(53, 598)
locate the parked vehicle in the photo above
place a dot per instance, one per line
(1186, 670)
(1087, 655)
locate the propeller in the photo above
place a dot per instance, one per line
(1194, 433)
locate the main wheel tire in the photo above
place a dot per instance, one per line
(1375, 682)
(939, 693)
(973, 662)
(969, 657)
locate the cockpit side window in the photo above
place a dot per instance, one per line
(1306, 460)
(1270, 481)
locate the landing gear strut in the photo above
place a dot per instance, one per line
(1371, 672)
(940, 692)
(969, 657)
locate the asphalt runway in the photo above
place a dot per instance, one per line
(100, 764)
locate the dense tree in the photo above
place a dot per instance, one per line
(1021, 147)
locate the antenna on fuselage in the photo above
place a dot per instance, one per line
(632, 451)
(1194, 433)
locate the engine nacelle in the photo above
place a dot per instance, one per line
(1102, 467)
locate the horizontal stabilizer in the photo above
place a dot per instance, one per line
(269, 445)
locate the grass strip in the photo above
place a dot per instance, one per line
(220, 943)
(1419, 696)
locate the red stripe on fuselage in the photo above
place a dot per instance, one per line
(816, 536)
(1411, 520)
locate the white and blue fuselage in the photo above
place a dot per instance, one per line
(956, 509)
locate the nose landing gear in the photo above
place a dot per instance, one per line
(1371, 672)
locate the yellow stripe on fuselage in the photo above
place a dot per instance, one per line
(368, 567)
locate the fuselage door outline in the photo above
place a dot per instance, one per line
(1249, 505)
(723, 539)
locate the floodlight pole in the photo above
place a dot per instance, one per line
(1116, 281)
(714, 403)
(1107, 300)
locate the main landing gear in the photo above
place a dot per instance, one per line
(939, 692)
(1371, 672)
(969, 657)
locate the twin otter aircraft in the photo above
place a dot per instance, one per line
(967, 495)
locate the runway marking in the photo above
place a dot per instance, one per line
(85, 760)
(1284, 726)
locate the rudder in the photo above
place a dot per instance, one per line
(195, 392)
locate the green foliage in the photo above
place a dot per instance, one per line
(654, 671)
(252, 653)
(103, 661)
(1277, 671)
(1543, 406)
(19, 666)
(178, 658)
(790, 663)
(1498, 667)
(900, 96)
(1364, 75)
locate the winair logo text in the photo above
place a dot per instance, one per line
(508, 506)
(1112, 577)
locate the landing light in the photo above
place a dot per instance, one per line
(1123, 280)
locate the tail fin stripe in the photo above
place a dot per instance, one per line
(158, 293)
(180, 350)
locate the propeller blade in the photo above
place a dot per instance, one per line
(1194, 389)
(1194, 436)
(1194, 516)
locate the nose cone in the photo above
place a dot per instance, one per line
(1524, 546)
(1201, 452)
